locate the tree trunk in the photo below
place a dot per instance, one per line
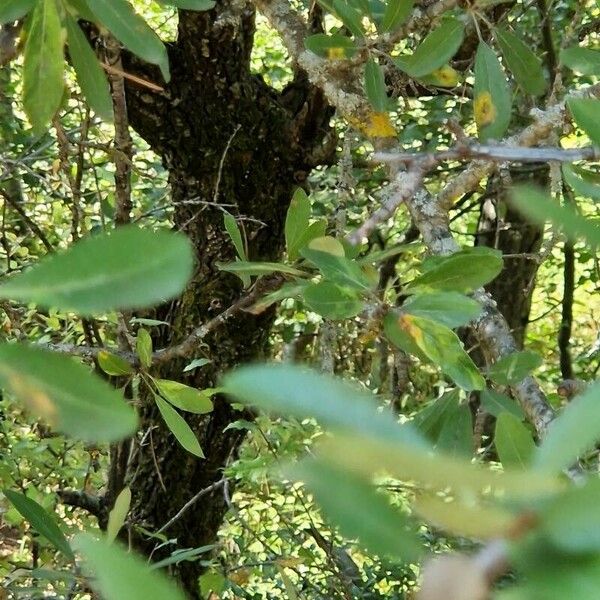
(228, 140)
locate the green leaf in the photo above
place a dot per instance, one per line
(90, 75)
(435, 50)
(583, 182)
(584, 61)
(496, 403)
(349, 17)
(79, 9)
(130, 268)
(332, 301)
(117, 574)
(118, 514)
(43, 65)
(235, 234)
(456, 435)
(359, 511)
(462, 272)
(572, 433)
(537, 206)
(190, 4)
(302, 393)
(113, 364)
(396, 12)
(66, 394)
(448, 308)
(338, 269)
(13, 10)
(375, 86)
(258, 268)
(491, 96)
(132, 31)
(185, 397)
(586, 112)
(197, 363)
(513, 368)
(143, 347)
(41, 520)
(179, 428)
(514, 442)
(436, 342)
(333, 47)
(522, 62)
(296, 223)
(572, 520)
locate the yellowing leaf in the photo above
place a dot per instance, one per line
(376, 125)
(327, 244)
(446, 76)
(336, 53)
(484, 109)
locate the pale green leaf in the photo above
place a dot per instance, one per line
(185, 397)
(118, 514)
(179, 428)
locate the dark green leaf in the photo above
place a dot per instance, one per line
(435, 50)
(13, 10)
(179, 428)
(491, 96)
(332, 301)
(185, 397)
(448, 308)
(333, 47)
(43, 65)
(396, 12)
(90, 75)
(41, 520)
(66, 394)
(586, 112)
(522, 62)
(496, 403)
(572, 433)
(130, 268)
(360, 512)
(513, 368)
(303, 393)
(375, 86)
(456, 435)
(235, 234)
(462, 272)
(117, 574)
(536, 205)
(132, 31)
(514, 442)
(581, 60)
(349, 17)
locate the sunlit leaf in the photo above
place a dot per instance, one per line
(143, 347)
(185, 397)
(586, 112)
(112, 364)
(118, 514)
(129, 268)
(65, 394)
(43, 65)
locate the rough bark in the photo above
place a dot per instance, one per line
(225, 137)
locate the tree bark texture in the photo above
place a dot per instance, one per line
(225, 138)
